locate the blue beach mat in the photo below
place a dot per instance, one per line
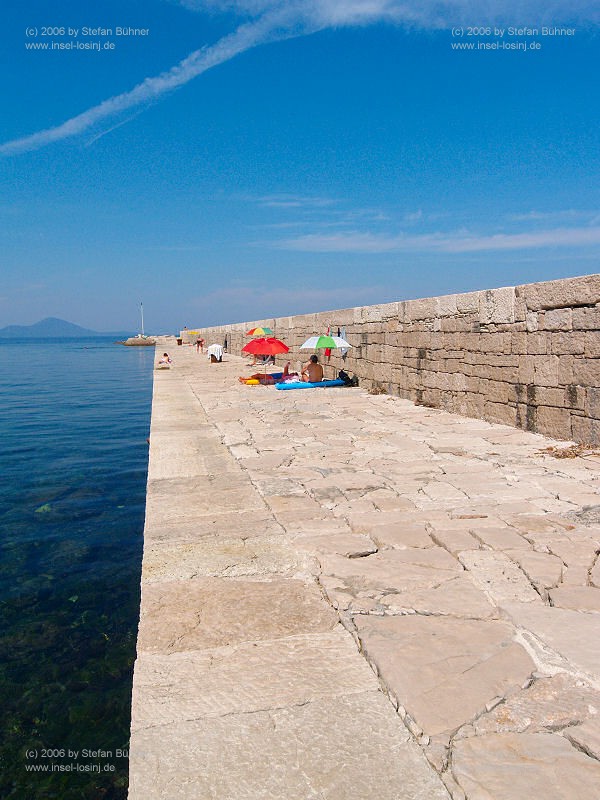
(302, 385)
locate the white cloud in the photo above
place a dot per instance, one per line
(273, 20)
(459, 242)
(557, 237)
(565, 215)
(422, 13)
(294, 201)
(267, 28)
(413, 217)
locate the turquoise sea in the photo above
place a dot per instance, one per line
(75, 417)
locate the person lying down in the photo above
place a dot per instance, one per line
(269, 380)
(312, 372)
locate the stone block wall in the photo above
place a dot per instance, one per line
(527, 356)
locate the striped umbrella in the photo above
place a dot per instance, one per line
(259, 332)
(323, 342)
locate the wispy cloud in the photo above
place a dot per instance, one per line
(294, 201)
(268, 28)
(272, 20)
(112, 128)
(422, 13)
(562, 215)
(460, 242)
(327, 212)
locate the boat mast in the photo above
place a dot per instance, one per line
(142, 313)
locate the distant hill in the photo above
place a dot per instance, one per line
(51, 328)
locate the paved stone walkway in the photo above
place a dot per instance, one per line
(346, 596)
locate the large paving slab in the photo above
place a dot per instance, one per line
(561, 637)
(250, 676)
(513, 766)
(444, 671)
(460, 557)
(339, 748)
(215, 612)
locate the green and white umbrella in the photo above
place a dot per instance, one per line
(324, 342)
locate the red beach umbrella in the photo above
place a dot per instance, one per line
(265, 347)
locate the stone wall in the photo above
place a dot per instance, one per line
(527, 356)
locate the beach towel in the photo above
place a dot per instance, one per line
(302, 385)
(344, 350)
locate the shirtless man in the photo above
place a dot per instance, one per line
(312, 371)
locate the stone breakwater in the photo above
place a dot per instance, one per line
(353, 597)
(527, 356)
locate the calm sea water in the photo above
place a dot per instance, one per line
(74, 419)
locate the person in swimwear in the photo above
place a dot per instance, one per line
(269, 380)
(312, 371)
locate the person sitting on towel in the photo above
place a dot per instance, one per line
(312, 371)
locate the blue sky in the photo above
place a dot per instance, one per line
(260, 158)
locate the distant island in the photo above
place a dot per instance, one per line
(53, 328)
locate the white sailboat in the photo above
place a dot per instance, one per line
(141, 338)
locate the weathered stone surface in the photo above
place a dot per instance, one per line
(213, 612)
(366, 522)
(176, 500)
(227, 558)
(349, 545)
(595, 574)
(339, 748)
(579, 598)
(498, 576)
(497, 305)
(443, 670)
(500, 538)
(393, 569)
(578, 555)
(586, 736)
(246, 677)
(549, 704)
(538, 523)
(583, 291)
(586, 516)
(544, 570)
(513, 766)
(457, 596)
(455, 541)
(401, 536)
(284, 506)
(558, 320)
(179, 454)
(573, 638)
(297, 527)
(222, 526)
(286, 491)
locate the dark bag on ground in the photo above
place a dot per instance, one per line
(348, 381)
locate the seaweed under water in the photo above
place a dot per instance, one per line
(71, 512)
